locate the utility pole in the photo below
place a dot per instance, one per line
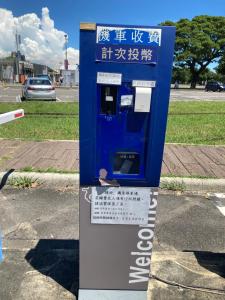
(18, 42)
(66, 63)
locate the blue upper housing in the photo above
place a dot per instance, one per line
(115, 138)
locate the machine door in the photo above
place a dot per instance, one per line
(121, 133)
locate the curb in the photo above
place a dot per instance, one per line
(56, 179)
(46, 179)
(197, 184)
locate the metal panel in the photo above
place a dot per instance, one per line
(115, 256)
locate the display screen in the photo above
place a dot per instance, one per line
(126, 163)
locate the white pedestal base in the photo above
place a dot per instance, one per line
(111, 295)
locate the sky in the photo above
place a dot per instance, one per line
(43, 23)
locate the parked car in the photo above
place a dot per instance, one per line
(38, 89)
(214, 86)
(44, 76)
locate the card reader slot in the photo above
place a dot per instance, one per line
(108, 99)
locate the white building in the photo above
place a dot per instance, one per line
(70, 77)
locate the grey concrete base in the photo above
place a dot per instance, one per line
(111, 295)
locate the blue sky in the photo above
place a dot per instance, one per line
(67, 14)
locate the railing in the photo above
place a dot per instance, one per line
(11, 116)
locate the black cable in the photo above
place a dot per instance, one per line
(192, 287)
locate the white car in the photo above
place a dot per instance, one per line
(37, 88)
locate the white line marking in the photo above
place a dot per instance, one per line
(57, 99)
(18, 98)
(220, 195)
(219, 201)
(221, 209)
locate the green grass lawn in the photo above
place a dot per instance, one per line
(42, 107)
(196, 123)
(188, 122)
(197, 107)
(41, 127)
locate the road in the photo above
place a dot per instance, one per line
(196, 95)
(10, 94)
(190, 223)
(40, 244)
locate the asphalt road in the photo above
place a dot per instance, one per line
(40, 244)
(12, 94)
(196, 95)
(67, 94)
(183, 222)
(9, 94)
(190, 223)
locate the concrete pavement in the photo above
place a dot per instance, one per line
(40, 246)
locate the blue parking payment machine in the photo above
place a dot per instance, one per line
(125, 74)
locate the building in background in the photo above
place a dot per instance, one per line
(69, 77)
(69, 74)
(16, 68)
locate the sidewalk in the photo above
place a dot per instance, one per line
(179, 160)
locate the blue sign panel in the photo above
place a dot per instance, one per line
(128, 36)
(126, 53)
(127, 44)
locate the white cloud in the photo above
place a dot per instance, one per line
(41, 42)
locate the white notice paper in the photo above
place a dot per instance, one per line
(144, 83)
(120, 205)
(109, 78)
(126, 100)
(142, 99)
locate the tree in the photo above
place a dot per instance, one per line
(199, 42)
(181, 75)
(221, 68)
(208, 75)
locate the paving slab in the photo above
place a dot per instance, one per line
(179, 160)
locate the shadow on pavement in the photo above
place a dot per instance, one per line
(58, 259)
(5, 178)
(214, 262)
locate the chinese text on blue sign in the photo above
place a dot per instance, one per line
(128, 45)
